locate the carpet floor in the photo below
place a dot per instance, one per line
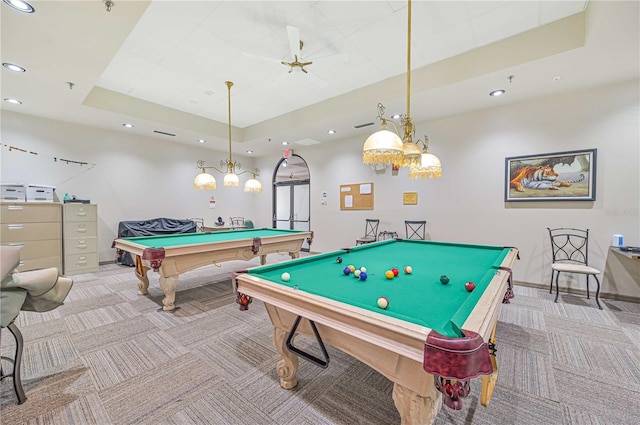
(110, 357)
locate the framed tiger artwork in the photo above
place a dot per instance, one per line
(558, 176)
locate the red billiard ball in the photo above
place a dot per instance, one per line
(395, 271)
(470, 286)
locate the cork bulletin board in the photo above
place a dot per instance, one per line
(357, 196)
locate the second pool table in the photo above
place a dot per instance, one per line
(171, 255)
(430, 341)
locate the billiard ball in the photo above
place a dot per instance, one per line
(383, 303)
(347, 271)
(444, 279)
(363, 269)
(285, 276)
(363, 276)
(470, 286)
(356, 273)
(389, 274)
(339, 260)
(408, 269)
(352, 268)
(395, 271)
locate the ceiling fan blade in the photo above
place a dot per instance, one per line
(294, 41)
(264, 58)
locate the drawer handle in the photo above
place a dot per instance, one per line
(81, 230)
(16, 226)
(82, 263)
(20, 244)
(81, 246)
(81, 213)
(16, 207)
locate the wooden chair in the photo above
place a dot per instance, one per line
(370, 232)
(415, 229)
(570, 251)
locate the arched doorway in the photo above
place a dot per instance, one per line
(291, 202)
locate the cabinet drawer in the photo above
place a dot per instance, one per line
(80, 212)
(81, 263)
(80, 229)
(30, 213)
(40, 263)
(74, 246)
(25, 231)
(35, 249)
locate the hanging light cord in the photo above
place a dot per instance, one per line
(229, 85)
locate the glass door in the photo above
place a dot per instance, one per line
(291, 201)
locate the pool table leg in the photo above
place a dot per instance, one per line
(287, 368)
(141, 274)
(263, 260)
(415, 408)
(489, 381)
(169, 285)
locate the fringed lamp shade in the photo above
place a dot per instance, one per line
(231, 179)
(383, 147)
(429, 168)
(412, 155)
(204, 181)
(253, 185)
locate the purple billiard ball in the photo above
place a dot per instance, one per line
(347, 271)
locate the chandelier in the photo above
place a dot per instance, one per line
(205, 181)
(385, 147)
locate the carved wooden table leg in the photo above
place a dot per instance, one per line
(141, 274)
(263, 260)
(287, 368)
(416, 409)
(169, 285)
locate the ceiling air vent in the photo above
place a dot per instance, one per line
(363, 125)
(162, 132)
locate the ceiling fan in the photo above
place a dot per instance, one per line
(297, 61)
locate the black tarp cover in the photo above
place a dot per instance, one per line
(155, 226)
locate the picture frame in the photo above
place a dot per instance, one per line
(557, 176)
(410, 198)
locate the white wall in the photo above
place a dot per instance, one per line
(137, 178)
(134, 178)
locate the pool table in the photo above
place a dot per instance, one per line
(430, 340)
(171, 255)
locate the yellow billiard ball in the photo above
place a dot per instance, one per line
(389, 274)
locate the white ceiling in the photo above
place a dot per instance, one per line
(162, 65)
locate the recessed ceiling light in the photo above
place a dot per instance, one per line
(127, 125)
(556, 78)
(285, 143)
(11, 100)
(331, 132)
(249, 151)
(395, 116)
(20, 5)
(496, 93)
(201, 141)
(13, 67)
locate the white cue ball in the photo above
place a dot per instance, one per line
(356, 273)
(383, 303)
(363, 269)
(285, 276)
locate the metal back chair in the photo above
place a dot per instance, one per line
(570, 251)
(237, 221)
(370, 231)
(415, 229)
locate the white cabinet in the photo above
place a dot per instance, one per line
(80, 238)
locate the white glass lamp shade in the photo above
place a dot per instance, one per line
(383, 147)
(253, 185)
(204, 181)
(231, 179)
(429, 168)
